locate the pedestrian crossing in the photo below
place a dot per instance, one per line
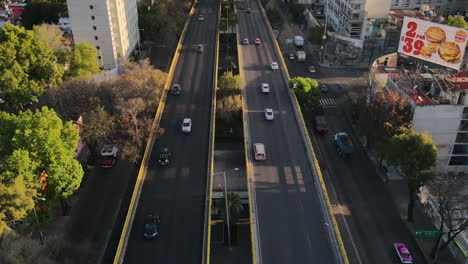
(332, 101)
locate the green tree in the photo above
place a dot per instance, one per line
(83, 60)
(414, 154)
(457, 21)
(228, 18)
(51, 145)
(274, 16)
(307, 92)
(27, 66)
(235, 208)
(229, 84)
(42, 11)
(98, 126)
(16, 199)
(382, 118)
(52, 36)
(316, 34)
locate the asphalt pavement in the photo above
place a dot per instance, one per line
(290, 221)
(177, 193)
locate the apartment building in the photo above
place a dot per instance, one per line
(347, 17)
(447, 7)
(110, 25)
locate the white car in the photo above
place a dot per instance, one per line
(201, 17)
(269, 115)
(274, 66)
(187, 125)
(291, 56)
(265, 88)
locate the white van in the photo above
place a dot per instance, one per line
(259, 151)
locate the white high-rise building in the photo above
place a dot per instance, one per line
(110, 25)
(450, 7)
(347, 17)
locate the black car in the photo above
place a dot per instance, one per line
(164, 157)
(152, 227)
(176, 89)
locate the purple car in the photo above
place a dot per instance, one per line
(403, 253)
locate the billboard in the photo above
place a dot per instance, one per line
(436, 43)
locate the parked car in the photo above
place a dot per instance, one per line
(151, 227)
(265, 87)
(201, 18)
(109, 156)
(258, 41)
(291, 56)
(164, 157)
(187, 125)
(269, 115)
(312, 69)
(176, 89)
(259, 151)
(274, 66)
(344, 144)
(245, 41)
(403, 253)
(320, 124)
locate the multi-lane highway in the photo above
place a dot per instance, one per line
(177, 193)
(290, 221)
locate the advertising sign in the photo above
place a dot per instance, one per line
(433, 42)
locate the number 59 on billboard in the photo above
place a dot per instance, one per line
(436, 43)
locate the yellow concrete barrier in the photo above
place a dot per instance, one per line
(120, 253)
(213, 130)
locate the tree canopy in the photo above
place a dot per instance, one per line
(27, 66)
(42, 11)
(457, 21)
(307, 92)
(415, 154)
(33, 144)
(83, 60)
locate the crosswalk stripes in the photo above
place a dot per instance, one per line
(332, 101)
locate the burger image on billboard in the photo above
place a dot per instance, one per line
(449, 51)
(435, 34)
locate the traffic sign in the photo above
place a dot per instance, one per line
(289, 41)
(428, 233)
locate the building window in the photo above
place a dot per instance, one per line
(94, 27)
(92, 17)
(98, 48)
(91, 7)
(96, 37)
(99, 57)
(355, 16)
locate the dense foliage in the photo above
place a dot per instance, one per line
(307, 93)
(229, 106)
(42, 11)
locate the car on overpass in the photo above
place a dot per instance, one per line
(187, 125)
(269, 115)
(274, 66)
(176, 89)
(265, 87)
(151, 227)
(201, 18)
(258, 41)
(164, 157)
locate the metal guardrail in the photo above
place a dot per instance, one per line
(120, 253)
(209, 191)
(335, 235)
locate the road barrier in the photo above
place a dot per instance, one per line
(120, 253)
(208, 203)
(335, 234)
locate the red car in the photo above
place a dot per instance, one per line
(258, 41)
(312, 69)
(249, 10)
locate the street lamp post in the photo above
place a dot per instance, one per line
(226, 204)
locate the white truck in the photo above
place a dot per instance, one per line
(301, 56)
(299, 41)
